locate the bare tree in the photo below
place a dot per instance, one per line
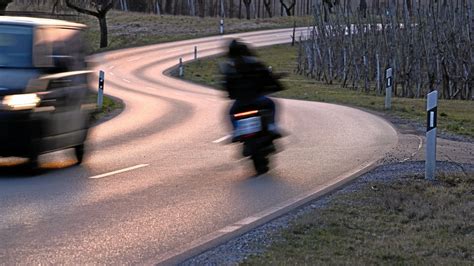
(158, 6)
(363, 7)
(3, 5)
(268, 7)
(101, 8)
(169, 6)
(247, 7)
(289, 8)
(429, 49)
(202, 8)
(231, 8)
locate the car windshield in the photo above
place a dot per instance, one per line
(15, 46)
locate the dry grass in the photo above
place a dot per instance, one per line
(411, 221)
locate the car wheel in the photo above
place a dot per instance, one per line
(32, 166)
(79, 151)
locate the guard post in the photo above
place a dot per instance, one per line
(431, 124)
(222, 26)
(181, 67)
(100, 94)
(388, 88)
(195, 52)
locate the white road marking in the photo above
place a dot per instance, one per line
(119, 171)
(222, 139)
(230, 228)
(126, 80)
(111, 67)
(248, 220)
(112, 73)
(413, 154)
(421, 143)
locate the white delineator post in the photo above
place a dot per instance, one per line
(222, 26)
(100, 92)
(388, 88)
(181, 67)
(431, 124)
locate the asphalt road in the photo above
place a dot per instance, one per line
(159, 178)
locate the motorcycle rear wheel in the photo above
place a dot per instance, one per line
(260, 162)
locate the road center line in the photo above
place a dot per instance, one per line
(119, 171)
(222, 139)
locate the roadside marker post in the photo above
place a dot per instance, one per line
(181, 67)
(294, 34)
(195, 52)
(222, 26)
(100, 94)
(388, 88)
(431, 125)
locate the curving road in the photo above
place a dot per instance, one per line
(159, 184)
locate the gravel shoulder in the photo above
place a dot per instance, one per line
(455, 155)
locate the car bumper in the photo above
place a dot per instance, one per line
(19, 134)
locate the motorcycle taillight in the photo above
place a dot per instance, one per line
(245, 114)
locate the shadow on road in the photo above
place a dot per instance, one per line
(19, 168)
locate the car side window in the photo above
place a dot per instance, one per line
(68, 52)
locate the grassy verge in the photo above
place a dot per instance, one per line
(411, 221)
(454, 116)
(109, 106)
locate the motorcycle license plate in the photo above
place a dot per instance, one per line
(248, 126)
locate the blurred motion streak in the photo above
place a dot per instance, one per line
(45, 101)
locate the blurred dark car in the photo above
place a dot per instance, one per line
(44, 95)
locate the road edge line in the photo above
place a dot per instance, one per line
(241, 227)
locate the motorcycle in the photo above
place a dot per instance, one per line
(252, 130)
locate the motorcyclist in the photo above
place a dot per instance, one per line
(247, 81)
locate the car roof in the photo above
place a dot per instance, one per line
(35, 22)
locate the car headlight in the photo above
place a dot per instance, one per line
(20, 101)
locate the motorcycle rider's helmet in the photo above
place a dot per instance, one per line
(237, 48)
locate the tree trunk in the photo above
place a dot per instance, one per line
(3, 5)
(100, 14)
(231, 8)
(169, 7)
(363, 8)
(247, 8)
(222, 8)
(192, 8)
(288, 9)
(268, 7)
(103, 31)
(202, 8)
(158, 7)
(240, 9)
